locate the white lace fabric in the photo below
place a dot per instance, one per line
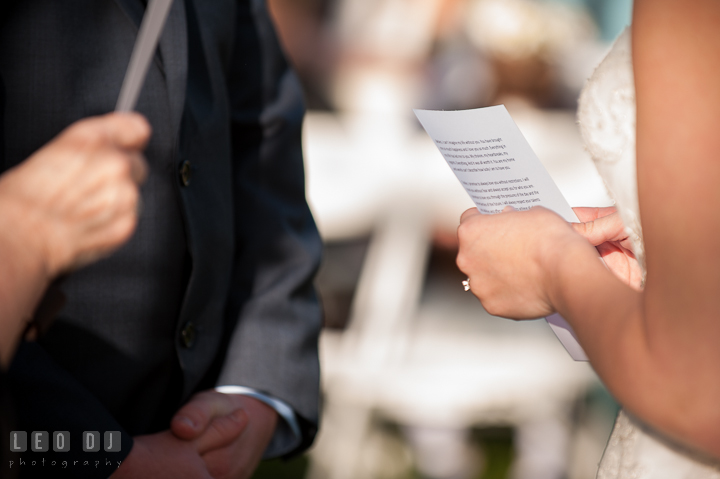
(606, 113)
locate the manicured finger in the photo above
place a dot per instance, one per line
(222, 431)
(467, 214)
(591, 213)
(606, 228)
(508, 208)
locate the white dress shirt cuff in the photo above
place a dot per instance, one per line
(287, 434)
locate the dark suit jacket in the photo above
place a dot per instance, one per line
(215, 286)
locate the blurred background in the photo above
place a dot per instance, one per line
(418, 380)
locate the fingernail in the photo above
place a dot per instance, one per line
(187, 421)
(238, 416)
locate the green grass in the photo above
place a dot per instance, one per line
(282, 469)
(497, 447)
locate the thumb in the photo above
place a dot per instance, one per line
(222, 431)
(195, 416)
(607, 228)
(129, 131)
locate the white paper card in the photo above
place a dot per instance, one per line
(496, 166)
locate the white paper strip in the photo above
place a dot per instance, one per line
(143, 52)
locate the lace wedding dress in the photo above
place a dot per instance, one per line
(607, 121)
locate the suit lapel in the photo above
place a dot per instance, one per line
(173, 47)
(134, 9)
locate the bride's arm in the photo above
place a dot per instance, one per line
(676, 46)
(658, 350)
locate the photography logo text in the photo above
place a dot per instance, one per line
(59, 441)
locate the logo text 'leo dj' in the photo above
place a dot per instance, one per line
(40, 441)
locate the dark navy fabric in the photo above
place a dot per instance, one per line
(233, 252)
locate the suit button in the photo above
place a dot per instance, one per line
(185, 173)
(188, 335)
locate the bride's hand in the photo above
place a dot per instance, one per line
(604, 229)
(510, 258)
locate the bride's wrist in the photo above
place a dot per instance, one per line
(571, 257)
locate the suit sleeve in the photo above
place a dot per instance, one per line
(47, 398)
(274, 308)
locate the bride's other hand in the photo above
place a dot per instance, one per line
(509, 258)
(604, 229)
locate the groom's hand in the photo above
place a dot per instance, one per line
(163, 455)
(237, 458)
